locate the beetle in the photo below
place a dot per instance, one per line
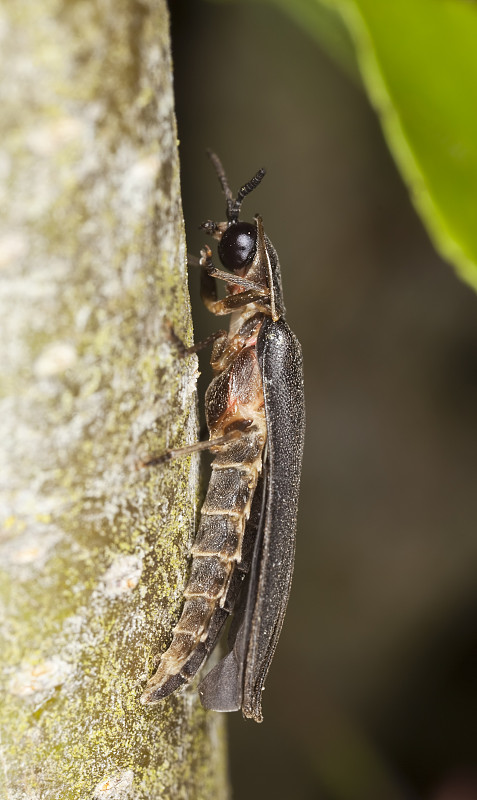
(243, 553)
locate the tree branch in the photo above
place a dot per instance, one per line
(93, 549)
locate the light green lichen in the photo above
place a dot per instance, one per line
(105, 269)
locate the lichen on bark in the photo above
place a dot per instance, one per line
(93, 549)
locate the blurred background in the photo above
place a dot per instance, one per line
(373, 690)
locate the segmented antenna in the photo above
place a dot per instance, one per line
(234, 204)
(221, 176)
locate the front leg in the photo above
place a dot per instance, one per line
(208, 285)
(235, 280)
(253, 292)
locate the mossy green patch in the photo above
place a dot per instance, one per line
(96, 547)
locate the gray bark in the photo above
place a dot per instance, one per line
(93, 549)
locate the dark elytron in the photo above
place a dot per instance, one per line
(242, 557)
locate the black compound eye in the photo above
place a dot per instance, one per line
(237, 246)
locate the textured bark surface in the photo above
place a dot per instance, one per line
(93, 550)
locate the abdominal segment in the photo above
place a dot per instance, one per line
(219, 560)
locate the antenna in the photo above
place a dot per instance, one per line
(234, 205)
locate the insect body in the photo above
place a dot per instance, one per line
(242, 557)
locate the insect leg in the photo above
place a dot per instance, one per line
(197, 447)
(183, 350)
(234, 301)
(235, 280)
(192, 261)
(209, 273)
(253, 292)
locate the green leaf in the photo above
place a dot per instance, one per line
(325, 24)
(418, 60)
